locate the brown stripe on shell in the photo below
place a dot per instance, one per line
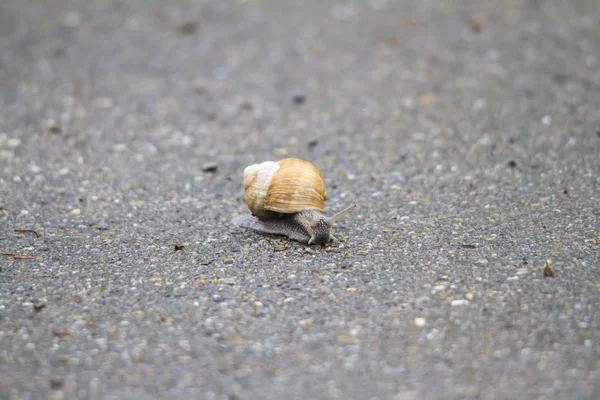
(296, 186)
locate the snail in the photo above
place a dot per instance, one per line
(287, 198)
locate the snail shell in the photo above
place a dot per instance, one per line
(287, 186)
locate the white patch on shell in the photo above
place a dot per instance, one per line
(259, 176)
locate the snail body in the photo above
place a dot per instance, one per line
(287, 198)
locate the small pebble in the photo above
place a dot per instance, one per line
(210, 167)
(198, 86)
(246, 105)
(420, 322)
(79, 324)
(39, 305)
(522, 271)
(475, 24)
(299, 99)
(56, 49)
(458, 303)
(549, 269)
(120, 147)
(188, 28)
(479, 104)
(13, 143)
(72, 19)
(51, 126)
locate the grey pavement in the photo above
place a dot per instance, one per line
(468, 132)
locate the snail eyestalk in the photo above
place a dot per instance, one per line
(337, 216)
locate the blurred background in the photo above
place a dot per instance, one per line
(466, 131)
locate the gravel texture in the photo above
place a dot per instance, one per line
(468, 132)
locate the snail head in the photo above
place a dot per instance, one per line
(321, 226)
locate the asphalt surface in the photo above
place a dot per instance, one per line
(467, 132)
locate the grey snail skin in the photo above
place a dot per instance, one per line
(287, 197)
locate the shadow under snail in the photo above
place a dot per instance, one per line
(287, 197)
